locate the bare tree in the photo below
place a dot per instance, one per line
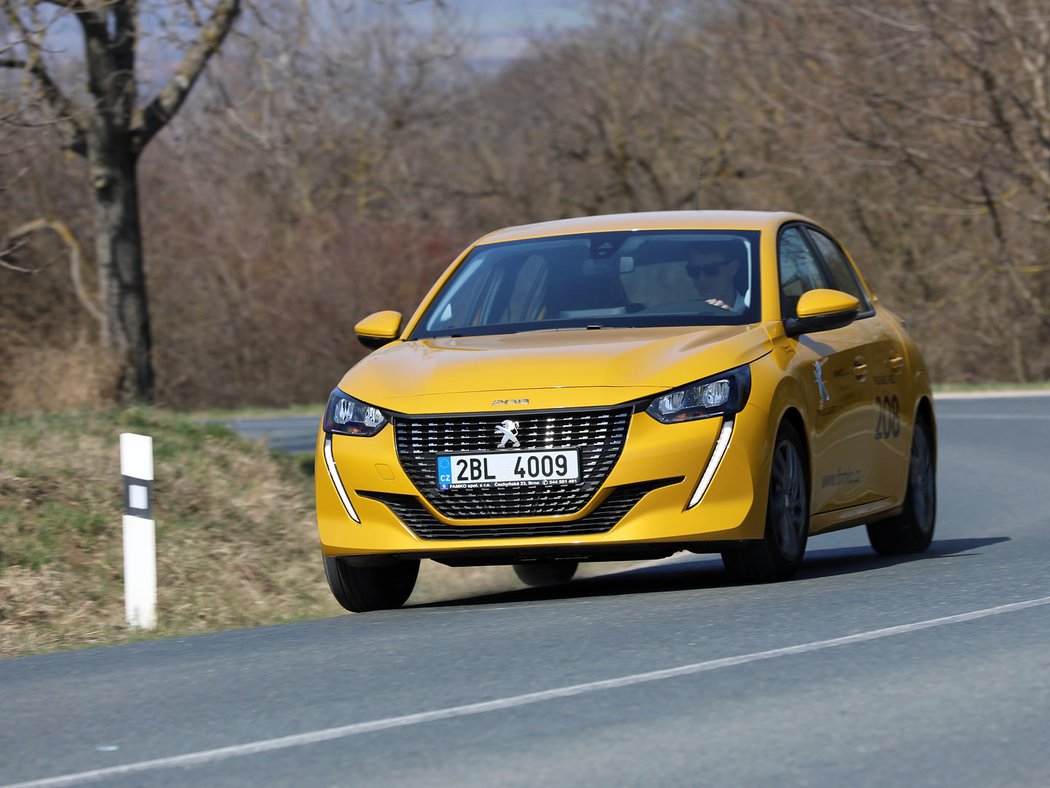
(282, 199)
(110, 129)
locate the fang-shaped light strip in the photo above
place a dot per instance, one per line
(712, 465)
(333, 474)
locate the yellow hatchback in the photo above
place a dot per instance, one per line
(626, 387)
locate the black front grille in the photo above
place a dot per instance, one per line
(599, 436)
(620, 501)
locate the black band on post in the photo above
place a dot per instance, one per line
(138, 497)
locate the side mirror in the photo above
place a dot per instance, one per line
(822, 310)
(378, 329)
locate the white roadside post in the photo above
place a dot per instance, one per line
(140, 551)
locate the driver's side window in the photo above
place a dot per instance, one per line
(798, 268)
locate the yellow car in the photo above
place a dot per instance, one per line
(626, 387)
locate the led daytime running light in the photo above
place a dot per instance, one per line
(712, 465)
(333, 474)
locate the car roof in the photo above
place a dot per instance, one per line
(652, 220)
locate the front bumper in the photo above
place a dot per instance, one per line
(662, 462)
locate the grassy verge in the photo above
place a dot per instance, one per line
(236, 536)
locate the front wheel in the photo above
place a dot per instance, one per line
(778, 555)
(546, 573)
(363, 588)
(911, 531)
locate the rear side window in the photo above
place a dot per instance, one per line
(799, 270)
(842, 274)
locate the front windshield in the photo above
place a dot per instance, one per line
(600, 280)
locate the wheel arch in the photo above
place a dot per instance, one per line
(793, 416)
(782, 398)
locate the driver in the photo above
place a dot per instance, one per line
(713, 267)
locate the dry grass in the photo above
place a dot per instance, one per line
(52, 378)
(236, 535)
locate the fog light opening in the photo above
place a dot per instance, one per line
(712, 465)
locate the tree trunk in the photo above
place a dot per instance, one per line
(112, 133)
(120, 263)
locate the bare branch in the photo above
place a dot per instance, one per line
(63, 111)
(17, 239)
(11, 248)
(172, 95)
(1011, 270)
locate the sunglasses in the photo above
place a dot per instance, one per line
(711, 269)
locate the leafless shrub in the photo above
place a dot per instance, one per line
(337, 159)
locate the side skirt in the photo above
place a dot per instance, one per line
(854, 515)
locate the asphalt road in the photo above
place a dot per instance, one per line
(287, 433)
(932, 670)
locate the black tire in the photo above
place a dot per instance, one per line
(778, 555)
(363, 588)
(546, 573)
(911, 531)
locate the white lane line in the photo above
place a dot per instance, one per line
(345, 731)
(1006, 394)
(994, 416)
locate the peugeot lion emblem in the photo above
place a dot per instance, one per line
(509, 430)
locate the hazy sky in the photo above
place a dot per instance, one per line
(502, 26)
(495, 15)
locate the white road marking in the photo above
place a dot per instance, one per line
(994, 416)
(345, 731)
(1005, 394)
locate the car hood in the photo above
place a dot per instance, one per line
(547, 369)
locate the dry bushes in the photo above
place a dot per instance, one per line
(254, 309)
(919, 131)
(51, 358)
(307, 186)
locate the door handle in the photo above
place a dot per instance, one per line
(860, 368)
(895, 363)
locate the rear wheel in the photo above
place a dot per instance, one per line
(546, 573)
(778, 555)
(363, 588)
(911, 531)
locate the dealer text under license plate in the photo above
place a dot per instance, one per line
(508, 469)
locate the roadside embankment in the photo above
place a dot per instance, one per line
(236, 536)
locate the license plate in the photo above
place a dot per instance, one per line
(508, 469)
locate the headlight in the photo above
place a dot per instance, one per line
(717, 395)
(345, 415)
